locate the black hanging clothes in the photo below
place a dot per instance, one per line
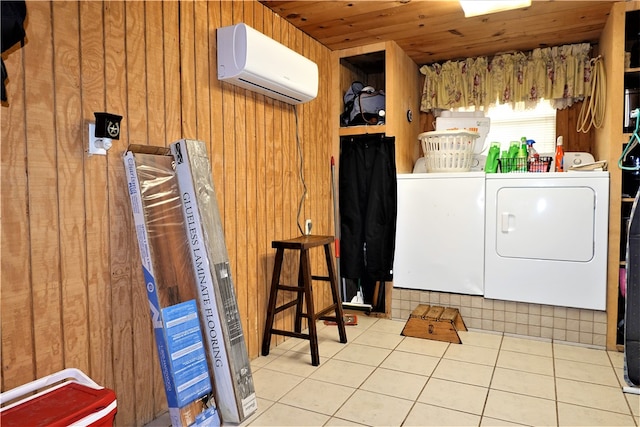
(368, 207)
(632, 311)
(12, 17)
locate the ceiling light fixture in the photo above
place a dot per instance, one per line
(482, 7)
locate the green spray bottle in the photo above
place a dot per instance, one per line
(522, 156)
(491, 165)
(510, 160)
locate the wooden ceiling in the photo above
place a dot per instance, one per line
(436, 30)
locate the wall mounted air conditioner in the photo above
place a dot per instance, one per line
(249, 59)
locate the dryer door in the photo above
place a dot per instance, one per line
(546, 240)
(550, 223)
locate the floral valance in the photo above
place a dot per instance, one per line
(560, 74)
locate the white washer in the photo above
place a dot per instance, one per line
(546, 238)
(440, 232)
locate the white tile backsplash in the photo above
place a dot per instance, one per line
(559, 323)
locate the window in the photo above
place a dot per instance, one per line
(508, 125)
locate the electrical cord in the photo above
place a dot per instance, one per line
(301, 171)
(593, 108)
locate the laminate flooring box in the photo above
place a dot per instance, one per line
(199, 234)
(169, 278)
(235, 392)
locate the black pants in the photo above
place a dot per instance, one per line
(368, 207)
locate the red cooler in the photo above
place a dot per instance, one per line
(65, 398)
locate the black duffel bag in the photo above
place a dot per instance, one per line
(363, 105)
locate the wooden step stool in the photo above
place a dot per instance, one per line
(304, 290)
(435, 323)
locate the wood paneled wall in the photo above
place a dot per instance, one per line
(566, 122)
(72, 289)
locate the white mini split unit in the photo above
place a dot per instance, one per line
(249, 59)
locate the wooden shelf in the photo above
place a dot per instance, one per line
(362, 130)
(632, 70)
(382, 65)
(627, 200)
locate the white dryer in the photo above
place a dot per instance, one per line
(546, 238)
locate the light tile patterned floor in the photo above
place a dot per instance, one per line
(381, 378)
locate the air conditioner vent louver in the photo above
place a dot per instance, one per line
(264, 89)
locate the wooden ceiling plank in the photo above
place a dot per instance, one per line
(406, 14)
(333, 20)
(514, 35)
(548, 37)
(560, 19)
(440, 52)
(301, 13)
(470, 27)
(350, 24)
(554, 28)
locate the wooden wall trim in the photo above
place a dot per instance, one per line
(606, 147)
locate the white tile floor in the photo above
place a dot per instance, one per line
(381, 378)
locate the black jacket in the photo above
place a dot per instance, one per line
(368, 206)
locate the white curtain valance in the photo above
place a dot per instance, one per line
(561, 74)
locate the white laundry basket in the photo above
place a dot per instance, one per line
(448, 151)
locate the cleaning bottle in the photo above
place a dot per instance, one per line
(514, 146)
(532, 154)
(491, 165)
(504, 159)
(559, 155)
(510, 162)
(521, 158)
